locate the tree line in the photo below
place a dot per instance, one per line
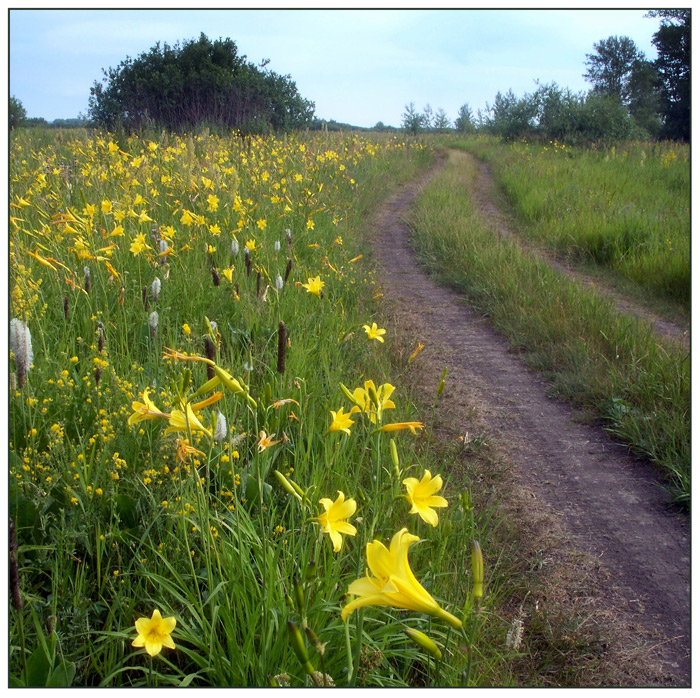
(631, 97)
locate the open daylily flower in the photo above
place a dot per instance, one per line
(314, 286)
(179, 421)
(370, 399)
(341, 422)
(333, 519)
(422, 496)
(154, 633)
(374, 332)
(392, 583)
(145, 410)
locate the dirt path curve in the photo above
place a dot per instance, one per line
(609, 504)
(484, 195)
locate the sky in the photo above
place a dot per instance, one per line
(359, 66)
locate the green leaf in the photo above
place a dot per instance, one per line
(62, 676)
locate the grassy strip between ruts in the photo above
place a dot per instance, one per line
(593, 355)
(623, 209)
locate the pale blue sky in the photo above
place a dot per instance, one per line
(358, 66)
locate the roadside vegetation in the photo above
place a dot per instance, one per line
(625, 208)
(611, 365)
(197, 374)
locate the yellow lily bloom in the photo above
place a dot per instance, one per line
(372, 400)
(179, 420)
(154, 633)
(314, 286)
(341, 422)
(393, 583)
(422, 496)
(374, 332)
(145, 410)
(333, 522)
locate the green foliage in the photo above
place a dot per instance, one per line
(199, 82)
(17, 113)
(612, 64)
(554, 113)
(465, 120)
(672, 42)
(411, 120)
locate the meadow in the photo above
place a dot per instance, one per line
(215, 479)
(623, 210)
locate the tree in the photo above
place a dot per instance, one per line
(610, 67)
(441, 122)
(427, 117)
(672, 42)
(411, 120)
(644, 98)
(17, 113)
(465, 120)
(182, 86)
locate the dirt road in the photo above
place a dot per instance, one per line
(604, 504)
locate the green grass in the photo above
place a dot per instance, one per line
(599, 359)
(624, 208)
(112, 523)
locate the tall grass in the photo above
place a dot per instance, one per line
(625, 208)
(593, 355)
(120, 251)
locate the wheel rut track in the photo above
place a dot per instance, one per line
(609, 504)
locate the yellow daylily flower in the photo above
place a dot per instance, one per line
(314, 286)
(154, 633)
(422, 496)
(179, 420)
(333, 522)
(139, 244)
(145, 410)
(184, 449)
(374, 332)
(371, 399)
(393, 583)
(266, 441)
(341, 422)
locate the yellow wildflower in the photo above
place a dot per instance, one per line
(393, 583)
(332, 520)
(422, 496)
(154, 633)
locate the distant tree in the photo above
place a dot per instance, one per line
(512, 118)
(17, 113)
(610, 67)
(672, 42)
(440, 121)
(35, 122)
(644, 97)
(182, 86)
(428, 117)
(465, 120)
(411, 120)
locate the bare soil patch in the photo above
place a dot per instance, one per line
(609, 545)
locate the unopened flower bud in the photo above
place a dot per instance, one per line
(477, 571)
(394, 458)
(422, 640)
(297, 641)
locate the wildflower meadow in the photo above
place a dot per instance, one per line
(218, 476)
